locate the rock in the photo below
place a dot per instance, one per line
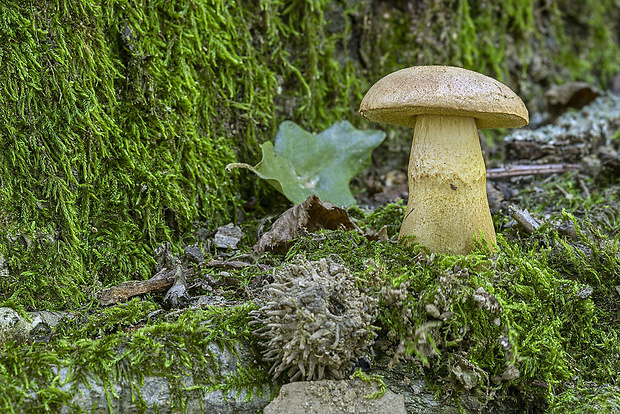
(38, 329)
(43, 322)
(9, 322)
(569, 95)
(156, 392)
(331, 397)
(228, 236)
(194, 254)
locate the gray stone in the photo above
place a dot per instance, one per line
(228, 236)
(8, 319)
(156, 392)
(38, 329)
(43, 322)
(334, 397)
(12, 326)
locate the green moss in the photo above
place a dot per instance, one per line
(390, 216)
(559, 335)
(136, 347)
(118, 117)
(581, 398)
(118, 120)
(549, 327)
(502, 40)
(362, 376)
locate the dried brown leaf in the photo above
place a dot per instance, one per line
(311, 215)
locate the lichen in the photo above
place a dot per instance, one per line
(314, 322)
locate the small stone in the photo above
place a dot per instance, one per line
(194, 254)
(432, 310)
(334, 397)
(9, 320)
(585, 292)
(228, 236)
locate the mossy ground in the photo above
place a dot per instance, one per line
(117, 119)
(558, 321)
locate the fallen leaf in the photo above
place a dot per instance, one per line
(311, 215)
(301, 164)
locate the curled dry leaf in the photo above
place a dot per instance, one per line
(311, 215)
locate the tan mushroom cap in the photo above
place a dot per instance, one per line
(443, 90)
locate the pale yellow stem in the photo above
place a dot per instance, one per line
(447, 205)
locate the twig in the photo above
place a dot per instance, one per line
(525, 219)
(584, 188)
(517, 170)
(567, 195)
(121, 293)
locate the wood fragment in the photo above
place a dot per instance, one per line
(177, 296)
(121, 293)
(525, 219)
(234, 264)
(566, 194)
(519, 170)
(584, 188)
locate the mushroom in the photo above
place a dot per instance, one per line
(447, 207)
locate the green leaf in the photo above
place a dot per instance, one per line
(301, 164)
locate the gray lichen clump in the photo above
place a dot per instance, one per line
(315, 322)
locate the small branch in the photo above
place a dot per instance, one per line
(584, 188)
(126, 290)
(525, 219)
(517, 170)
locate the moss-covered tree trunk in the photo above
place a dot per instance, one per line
(118, 117)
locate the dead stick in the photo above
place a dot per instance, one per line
(525, 219)
(517, 170)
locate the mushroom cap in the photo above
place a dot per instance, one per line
(443, 90)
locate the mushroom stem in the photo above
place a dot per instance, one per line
(447, 205)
